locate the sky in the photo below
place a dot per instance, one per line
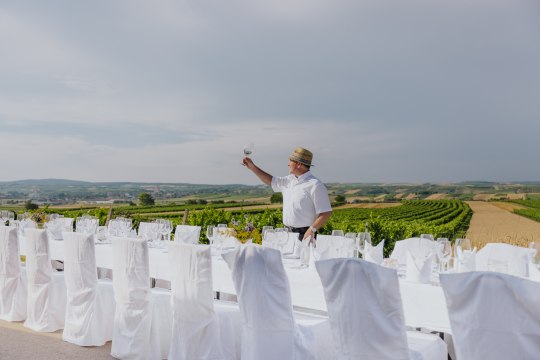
(170, 90)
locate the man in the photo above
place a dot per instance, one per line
(306, 206)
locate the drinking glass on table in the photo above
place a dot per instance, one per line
(349, 244)
(210, 234)
(361, 240)
(426, 236)
(444, 251)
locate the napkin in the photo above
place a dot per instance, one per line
(374, 254)
(466, 259)
(419, 268)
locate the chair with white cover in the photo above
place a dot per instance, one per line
(493, 315)
(197, 330)
(90, 302)
(418, 247)
(12, 279)
(187, 234)
(508, 258)
(142, 319)
(366, 313)
(46, 301)
(269, 328)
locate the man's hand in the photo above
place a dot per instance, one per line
(247, 162)
(310, 234)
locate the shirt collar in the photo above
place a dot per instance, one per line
(303, 177)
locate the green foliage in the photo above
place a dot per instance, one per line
(339, 200)
(276, 198)
(145, 199)
(29, 205)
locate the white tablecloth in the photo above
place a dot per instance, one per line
(424, 305)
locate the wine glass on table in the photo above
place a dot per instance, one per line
(337, 242)
(444, 251)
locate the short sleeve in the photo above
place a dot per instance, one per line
(280, 182)
(321, 201)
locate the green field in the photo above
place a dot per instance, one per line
(442, 218)
(532, 211)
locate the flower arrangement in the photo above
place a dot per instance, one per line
(245, 232)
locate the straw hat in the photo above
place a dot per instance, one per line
(301, 155)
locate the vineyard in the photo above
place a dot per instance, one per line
(532, 211)
(442, 218)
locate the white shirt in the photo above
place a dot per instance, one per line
(304, 198)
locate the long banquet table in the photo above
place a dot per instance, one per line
(424, 305)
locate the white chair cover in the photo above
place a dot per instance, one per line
(493, 316)
(90, 303)
(46, 302)
(187, 234)
(269, 329)
(142, 319)
(196, 326)
(366, 313)
(12, 279)
(330, 247)
(58, 226)
(147, 228)
(418, 247)
(516, 257)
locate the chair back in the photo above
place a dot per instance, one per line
(260, 282)
(493, 315)
(133, 314)
(195, 333)
(79, 266)
(46, 292)
(12, 284)
(504, 258)
(418, 247)
(188, 234)
(365, 309)
(90, 304)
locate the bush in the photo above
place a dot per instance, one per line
(29, 205)
(145, 199)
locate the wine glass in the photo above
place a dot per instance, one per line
(248, 149)
(210, 234)
(349, 246)
(337, 241)
(444, 251)
(361, 240)
(427, 236)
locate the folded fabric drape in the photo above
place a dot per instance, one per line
(46, 302)
(13, 290)
(187, 234)
(366, 313)
(90, 303)
(196, 326)
(493, 315)
(514, 257)
(418, 247)
(142, 319)
(269, 328)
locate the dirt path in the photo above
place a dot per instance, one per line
(492, 222)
